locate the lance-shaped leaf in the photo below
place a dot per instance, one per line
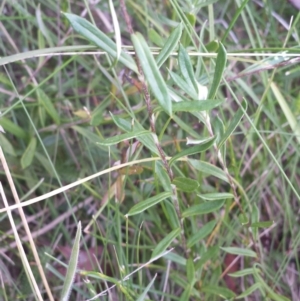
(193, 150)
(183, 85)
(233, 124)
(209, 169)
(220, 66)
(239, 251)
(71, 271)
(169, 45)
(143, 295)
(28, 155)
(147, 139)
(144, 205)
(196, 106)
(186, 69)
(201, 234)
(122, 137)
(216, 196)
(203, 208)
(185, 184)
(100, 39)
(163, 244)
(152, 74)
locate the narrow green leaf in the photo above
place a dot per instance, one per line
(186, 69)
(155, 38)
(265, 224)
(146, 204)
(183, 85)
(164, 243)
(117, 30)
(100, 39)
(190, 22)
(203, 208)
(12, 128)
(170, 214)
(193, 150)
(239, 251)
(87, 134)
(249, 291)
(100, 276)
(71, 271)
(190, 270)
(175, 258)
(185, 184)
(216, 196)
(196, 105)
(220, 66)
(152, 74)
(254, 219)
(28, 155)
(162, 176)
(285, 107)
(209, 169)
(233, 124)
(44, 162)
(219, 128)
(169, 45)
(6, 145)
(244, 272)
(122, 137)
(143, 295)
(147, 140)
(48, 105)
(220, 291)
(201, 233)
(41, 25)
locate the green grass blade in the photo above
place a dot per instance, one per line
(117, 30)
(233, 124)
(100, 39)
(239, 251)
(249, 291)
(183, 85)
(169, 46)
(193, 150)
(42, 27)
(71, 271)
(216, 196)
(48, 105)
(119, 138)
(164, 243)
(28, 155)
(152, 74)
(185, 184)
(201, 234)
(13, 128)
(143, 295)
(196, 105)
(220, 291)
(146, 204)
(220, 67)
(203, 208)
(186, 70)
(209, 169)
(295, 126)
(126, 126)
